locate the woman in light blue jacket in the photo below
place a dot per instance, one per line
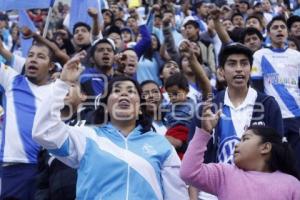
(121, 159)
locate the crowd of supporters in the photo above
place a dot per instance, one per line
(162, 100)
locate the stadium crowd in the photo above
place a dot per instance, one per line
(151, 100)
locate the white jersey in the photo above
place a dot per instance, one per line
(20, 101)
(279, 68)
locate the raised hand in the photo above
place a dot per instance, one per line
(93, 13)
(72, 69)
(166, 20)
(121, 61)
(215, 13)
(186, 49)
(209, 120)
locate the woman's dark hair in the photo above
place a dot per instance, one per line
(282, 157)
(100, 114)
(161, 95)
(149, 52)
(147, 82)
(153, 82)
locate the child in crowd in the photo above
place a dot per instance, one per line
(264, 166)
(179, 112)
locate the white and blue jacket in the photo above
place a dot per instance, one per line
(110, 166)
(21, 98)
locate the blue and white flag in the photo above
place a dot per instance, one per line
(24, 20)
(79, 12)
(24, 4)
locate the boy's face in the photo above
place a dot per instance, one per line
(177, 94)
(107, 17)
(238, 21)
(82, 36)
(117, 40)
(295, 29)
(132, 23)
(131, 62)
(126, 36)
(266, 6)
(191, 31)
(103, 56)
(168, 70)
(254, 23)
(228, 25)
(253, 42)
(243, 7)
(278, 33)
(236, 71)
(2, 23)
(203, 10)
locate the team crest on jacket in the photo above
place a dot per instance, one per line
(148, 149)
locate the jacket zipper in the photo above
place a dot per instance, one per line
(128, 171)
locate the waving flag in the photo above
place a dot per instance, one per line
(24, 4)
(24, 20)
(78, 11)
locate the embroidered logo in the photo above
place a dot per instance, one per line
(226, 149)
(148, 149)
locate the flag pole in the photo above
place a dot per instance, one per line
(48, 19)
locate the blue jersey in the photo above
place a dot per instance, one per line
(110, 166)
(279, 69)
(20, 101)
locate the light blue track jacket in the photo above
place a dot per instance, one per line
(110, 166)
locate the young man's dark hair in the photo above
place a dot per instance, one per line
(168, 11)
(251, 31)
(130, 17)
(104, 40)
(119, 20)
(234, 48)
(78, 24)
(112, 29)
(291, 20)
(179, 80)
(193, 23)
(51, 53)
(158, 16)
(256, 16)
(198, 5)
(276, 18)
(245, 2)
(296, 42)
(236, 14)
